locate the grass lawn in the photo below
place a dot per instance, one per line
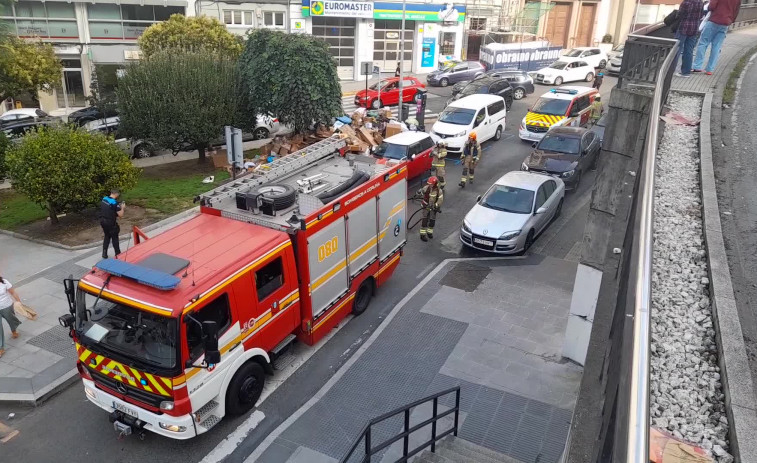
(167, 189)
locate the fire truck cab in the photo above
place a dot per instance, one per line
(183, 328)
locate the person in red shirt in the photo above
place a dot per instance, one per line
(689, 14)
(722, 15)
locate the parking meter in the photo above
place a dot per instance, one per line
(420, 108)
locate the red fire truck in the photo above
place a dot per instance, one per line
(183, 328)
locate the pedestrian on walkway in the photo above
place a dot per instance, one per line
(110, 211)
(397, 71)
(722, 15)
(599, 76)
(7, 296)
(596, 110)
(689, 13)
(471, 153)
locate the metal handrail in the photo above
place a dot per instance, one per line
(637, 438)
(365, 434)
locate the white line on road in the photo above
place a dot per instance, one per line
(233, 440)
(425, 271)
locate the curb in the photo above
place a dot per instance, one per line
(79, 247)
(741, 405)
(36, 398)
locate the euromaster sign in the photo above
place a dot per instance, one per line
(384, 10)
(341, 8)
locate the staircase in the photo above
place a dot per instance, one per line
(456, 450)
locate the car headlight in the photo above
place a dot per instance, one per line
(568, 173)
(91, 394)
(524, 166)
(172, 427)
(466, 227)
(507, 236)
(166, 405)
(461, 134)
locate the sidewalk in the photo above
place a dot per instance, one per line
(495, 327)
(43, 357)
(736, 44)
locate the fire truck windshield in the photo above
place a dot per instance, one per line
(147, 338)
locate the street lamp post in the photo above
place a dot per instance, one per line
(402, 60)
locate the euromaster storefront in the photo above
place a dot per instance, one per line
(359, 31)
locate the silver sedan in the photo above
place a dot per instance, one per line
(516, 209)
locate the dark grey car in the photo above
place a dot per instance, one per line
(520, 81)
(467, 70)
(565, 152)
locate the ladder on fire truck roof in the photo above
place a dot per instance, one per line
(277, 169)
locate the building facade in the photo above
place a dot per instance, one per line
(86, 36)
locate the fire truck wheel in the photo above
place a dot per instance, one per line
(245, 388)
(283, 196)
(363, 297)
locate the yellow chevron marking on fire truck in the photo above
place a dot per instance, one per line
(542, 120)
(328, 275)
(139, 379)
(155, 383)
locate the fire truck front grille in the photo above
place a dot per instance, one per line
(131, 392)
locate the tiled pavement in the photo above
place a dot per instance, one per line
(736, 43)
(492, 327)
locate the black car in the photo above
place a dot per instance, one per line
(484, 85)
(599, 127)
(16, 131)
(89, 114)
(520, 81)
(565, 152)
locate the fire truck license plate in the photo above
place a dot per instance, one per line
(484, 242)
(123, 409)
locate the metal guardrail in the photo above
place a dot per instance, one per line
(660, 64)
(371, 450)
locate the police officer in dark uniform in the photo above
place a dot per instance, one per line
(110, 211)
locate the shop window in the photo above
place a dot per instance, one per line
(448, 44)
(37, 19)
(273, 19)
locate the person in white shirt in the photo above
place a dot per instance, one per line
(7, 296)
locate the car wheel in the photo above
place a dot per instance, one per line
(376, 104)
(282, 196)
(444, 82)
(141, 151)
(602, 64)
(559, 209)
(245, 388)
(363, 297)
(529, 241)
(260, 133)
(589, 77)
(558, 81)
(519, 93)
(498, 133)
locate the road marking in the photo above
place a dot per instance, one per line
(300, 353)
(424, 271)
(255, 455)
(7, 433)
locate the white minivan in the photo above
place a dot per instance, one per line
(483, 114)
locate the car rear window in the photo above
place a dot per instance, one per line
(508, 199)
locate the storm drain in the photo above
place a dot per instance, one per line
(55, 340)
(465, 276)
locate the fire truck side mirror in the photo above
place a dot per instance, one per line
(210, 332)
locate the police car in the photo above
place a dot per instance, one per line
(563, 106)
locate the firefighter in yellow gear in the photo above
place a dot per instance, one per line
(470, 156)
(432, 197)
(596, 110)
(438, 163)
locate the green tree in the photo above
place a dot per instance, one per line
(290, 75)
(178, 101)
(195, 34)
(65, 169)
(27, 67)
(101, 95)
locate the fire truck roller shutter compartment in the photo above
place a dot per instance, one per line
(362, 233)
(392, 207)
(327, 255)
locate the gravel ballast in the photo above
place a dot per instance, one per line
(686, 392)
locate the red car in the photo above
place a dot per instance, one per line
(390, 93)
(415, 146)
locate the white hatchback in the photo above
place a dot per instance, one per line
(513, 212)
(592, 55)
(564, 70)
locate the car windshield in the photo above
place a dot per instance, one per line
(551, 106)
(558, 65)
(141, 336)
(508, 199)
(575, 53)
(559, 144)
(457, 116)
(391, 151)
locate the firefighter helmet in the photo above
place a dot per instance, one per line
(432, 180)
(472, 135)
